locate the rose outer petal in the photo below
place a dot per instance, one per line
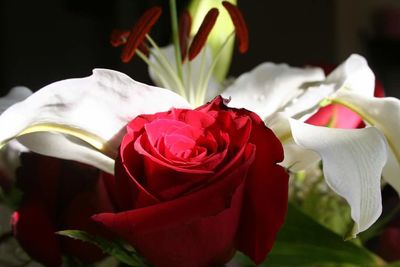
(197, 218)
(266, 194)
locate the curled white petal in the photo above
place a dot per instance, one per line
(94, 109)
(296, 157)
(269, 87)
(353, 74)
(352, 164)
(66, 147)
(384, 114)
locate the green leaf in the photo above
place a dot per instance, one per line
(394, 264)
(120, 251)
(304, 242)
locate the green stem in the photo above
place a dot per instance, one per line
(175, 37)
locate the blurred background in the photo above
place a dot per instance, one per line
(44, 41)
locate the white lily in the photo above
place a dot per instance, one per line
(83, 119)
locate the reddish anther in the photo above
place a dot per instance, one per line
(185, 24)
(119, 37)
(139, 31)
(202, 34)
(238, 21)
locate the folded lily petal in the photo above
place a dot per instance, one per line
(384, 114)
(306, 104)
(353, 160)
(68, 147)
(296, 157)
(269, 87)
(94, 109)
(353, 74)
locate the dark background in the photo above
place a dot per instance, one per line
(44, 41)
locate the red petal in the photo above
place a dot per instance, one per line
(78, 216)
(119, 37)
(335, 116)
(34, 231)
(194, 230)
(266, 194)
(186, 207)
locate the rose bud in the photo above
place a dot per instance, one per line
(194, 186)
(58, 195)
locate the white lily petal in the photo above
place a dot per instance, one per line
(94, 109)
(269, 87)
(352, 164)
(306, 104)
(384, 114)
(15, 95)
(66, 147)
(353, 74)
(191, 70)
(296, 157)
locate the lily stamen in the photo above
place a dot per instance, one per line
(139, 32)
(201, 36)
(181, 78)
(238, 21)
(185, 25)
(119, 37)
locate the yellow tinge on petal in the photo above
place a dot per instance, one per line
(89, 138)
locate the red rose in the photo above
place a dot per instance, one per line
(192, 186)
(58, 195)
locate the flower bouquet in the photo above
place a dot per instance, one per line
(282, 166)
